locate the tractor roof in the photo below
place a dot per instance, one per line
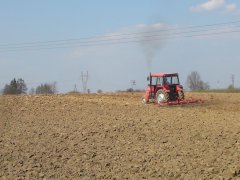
(164, 74)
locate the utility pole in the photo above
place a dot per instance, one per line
(84, 81)
(133, 83)
(75, 88)
(218, 86)
(233, 79)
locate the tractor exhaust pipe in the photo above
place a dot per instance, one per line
(150, 77)
(150, 83)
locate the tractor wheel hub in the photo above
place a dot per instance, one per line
(161, 98)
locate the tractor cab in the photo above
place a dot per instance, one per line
(163, 79)
(163, 87)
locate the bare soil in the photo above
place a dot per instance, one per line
(107, 136)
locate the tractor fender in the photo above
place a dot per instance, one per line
(179, 88)
(163, 88)
(147, 94)
(166, 89)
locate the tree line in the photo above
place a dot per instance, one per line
(18, 86)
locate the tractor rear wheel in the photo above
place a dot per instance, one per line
(180, 95)
(162, 96)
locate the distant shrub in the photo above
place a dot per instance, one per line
(129, 90)
(46, 88)
(99, 91)
(74, 92)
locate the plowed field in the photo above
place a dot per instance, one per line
(107, 136)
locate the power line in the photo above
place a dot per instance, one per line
(109, 40)
(138, 38)
(123, 34)
(119, 41)
(122, 42)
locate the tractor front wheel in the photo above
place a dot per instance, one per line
(162, 96)
(144, 100)
(180, 95)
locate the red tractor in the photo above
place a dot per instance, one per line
(163, 88)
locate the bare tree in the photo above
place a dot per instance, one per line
(195, 82)
(21, 86)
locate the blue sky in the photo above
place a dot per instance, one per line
(112, 67)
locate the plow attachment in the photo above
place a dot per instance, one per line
(182, 102)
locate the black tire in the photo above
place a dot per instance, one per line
(162, 96)
(180, 95)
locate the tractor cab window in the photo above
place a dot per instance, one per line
(159, 81)
(167, 80)
(154, 81)
(175, 80)
(170, 80)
